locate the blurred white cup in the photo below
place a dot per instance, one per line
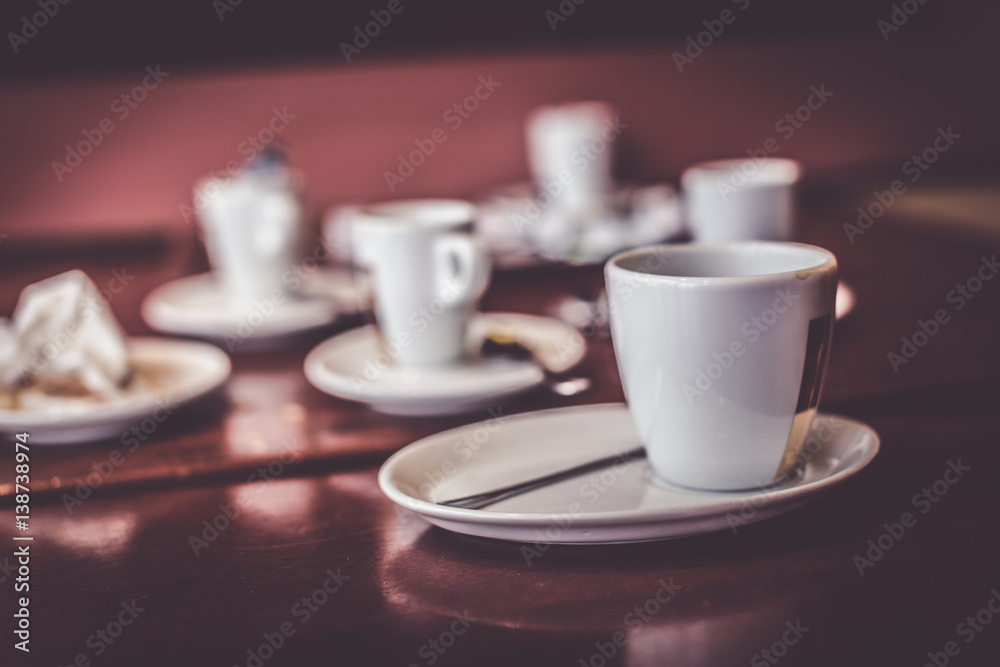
(572, 145)
(252, 227)
(741, 200)
(427, 273)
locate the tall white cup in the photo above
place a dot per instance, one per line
(741, 200)
(721, 351)
(252, 226)
(571, 147)
(427, 273)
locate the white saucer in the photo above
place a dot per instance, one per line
(168, 373)
(338, 367)
(197, 306)
(624, 506)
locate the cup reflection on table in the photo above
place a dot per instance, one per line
(721, 351)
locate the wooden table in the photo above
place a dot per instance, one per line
(318, 563)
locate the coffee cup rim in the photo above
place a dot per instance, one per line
(771, 171)
(826, 261)
(428, 212)
(288, 177)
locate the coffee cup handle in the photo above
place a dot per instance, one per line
(462, 266)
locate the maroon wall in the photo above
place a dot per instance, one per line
(351, 122)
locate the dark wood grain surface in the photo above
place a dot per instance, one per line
(406, 593)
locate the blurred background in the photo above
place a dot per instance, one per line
(109, 112)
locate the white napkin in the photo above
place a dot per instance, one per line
(63, 338)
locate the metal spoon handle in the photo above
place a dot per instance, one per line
(481, 500)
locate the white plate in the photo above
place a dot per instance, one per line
(352, 366)
(197, 306)
(168, 373)
(624, 505)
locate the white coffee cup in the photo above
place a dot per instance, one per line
(252, 227)
(741, 200)
(426, 273)
(571, 149)
(721, 351)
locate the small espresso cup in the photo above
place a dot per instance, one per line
(741, 200)
(427, 273)
(721, 350)
(252, 227)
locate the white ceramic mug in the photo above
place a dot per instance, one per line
(721, 351)
(252, 227)
(741, 200)
(571, 150)
(426, 273)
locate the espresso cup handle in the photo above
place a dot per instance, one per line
(462, 267)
